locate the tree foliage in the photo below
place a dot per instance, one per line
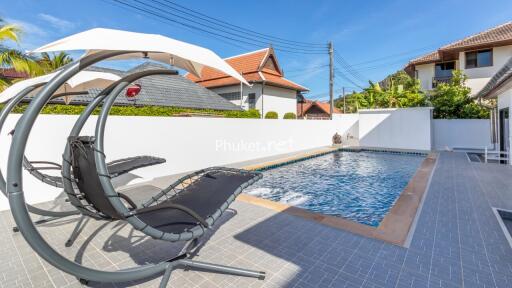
(452, 100)
(19, 61)
(52, 62)
(399, 90)
(14, 58)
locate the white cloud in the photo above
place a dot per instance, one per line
(58, 23)
(26, 27)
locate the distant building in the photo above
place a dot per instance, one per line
(315, 110)
(12, 74)
(160, 90)
(270, 91)
(478, 56)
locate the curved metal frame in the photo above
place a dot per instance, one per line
(77, 128)
(21, 214)
(7, 109)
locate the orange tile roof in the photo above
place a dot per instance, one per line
(250, 65)
(322, 105)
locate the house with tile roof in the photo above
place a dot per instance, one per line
(159, 90)
(12, 74)
(478, 56)
(270, 90)
(315, 110)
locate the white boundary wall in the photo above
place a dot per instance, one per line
(405, 128)
(187, 143)
(462, 133)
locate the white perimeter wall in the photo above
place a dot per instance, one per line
(194, 143)
(187, 143)
(462, 133)
(408, 128)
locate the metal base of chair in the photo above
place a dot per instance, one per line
(208, 267)
(15, 229)
(80, 225)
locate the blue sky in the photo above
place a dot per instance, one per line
(375, 37)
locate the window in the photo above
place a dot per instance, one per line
(482, 58)
(252, 100)
(444, 69)
(231, 96)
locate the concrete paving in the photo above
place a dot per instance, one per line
(457, 243)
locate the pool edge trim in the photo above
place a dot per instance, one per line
(394, 227)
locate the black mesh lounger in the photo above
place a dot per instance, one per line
(194, 201)
(116, 168)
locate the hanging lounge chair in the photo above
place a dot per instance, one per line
(88, 79)
(181, 212)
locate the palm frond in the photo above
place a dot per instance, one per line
(9, 32)
(20, 62)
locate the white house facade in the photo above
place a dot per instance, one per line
(270, 91)
(478, 56)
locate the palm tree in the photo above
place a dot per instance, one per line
(13, 58)
(54, 61)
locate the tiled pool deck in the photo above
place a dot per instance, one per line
(457, 243)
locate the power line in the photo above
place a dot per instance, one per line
(297, 73)
(225, 24)
(347, 67)
(308, 68)
(156, 11)
(342, 75)
(225, 41)
(243, 36)
(399, 54)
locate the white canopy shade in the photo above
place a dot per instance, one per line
(160, 48)
(82, 81)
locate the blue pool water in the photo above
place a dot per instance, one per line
(360, 186)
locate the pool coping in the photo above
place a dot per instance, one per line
(397, 223)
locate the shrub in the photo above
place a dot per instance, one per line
(153, 111)
(289, 115)
(452, 100)
(251, 113)
(271, 115)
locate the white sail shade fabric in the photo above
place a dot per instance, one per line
(82, 81)
(157, 47)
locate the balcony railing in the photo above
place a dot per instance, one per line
(440, 79)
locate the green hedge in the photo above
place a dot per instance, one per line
(154, 111)
(271, 115)
(289, 115)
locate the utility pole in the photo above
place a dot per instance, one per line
(331, 79)
(344, 101)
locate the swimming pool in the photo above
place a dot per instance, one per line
(360, 186)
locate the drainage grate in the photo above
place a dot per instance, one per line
(476, 157)
(505, 220)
